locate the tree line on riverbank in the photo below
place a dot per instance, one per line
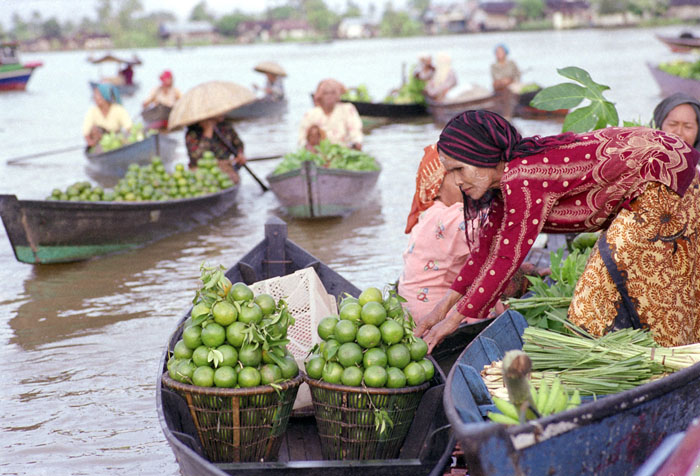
(125, 23)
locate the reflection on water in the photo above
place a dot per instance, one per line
(81, 342)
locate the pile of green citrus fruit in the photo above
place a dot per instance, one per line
(233, 338)
(370, 343)
(153, 183)
(115, 140)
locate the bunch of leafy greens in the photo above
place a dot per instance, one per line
(553, 294)
(358, 93)
(410, 92)
(329, 155)
(683, 69)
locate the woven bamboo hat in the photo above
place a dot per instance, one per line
(207, 100)
(270, 67)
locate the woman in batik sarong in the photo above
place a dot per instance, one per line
(639, 185)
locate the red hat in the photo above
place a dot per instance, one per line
(166, 75)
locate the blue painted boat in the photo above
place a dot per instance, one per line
(14, 75)
(425, 451)
(57, 231)
(611, 436)
(116, 162)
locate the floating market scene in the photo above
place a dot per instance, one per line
(350, 238)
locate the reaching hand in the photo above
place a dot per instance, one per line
(438, 332)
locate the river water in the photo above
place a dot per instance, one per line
(80, 343)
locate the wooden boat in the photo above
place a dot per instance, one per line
(262, 107)
(442, 112)
(670, 84)
(396, 111)
(611, 436)
(683, 43)
(426, 450)
(317, 192)
(115, 163)
(524, 110)
(156, 117)
(125, 89)
(48, 231)
(14, 75)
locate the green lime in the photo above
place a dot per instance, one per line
(213, 335)
(250, 313)
(418, 348)
(326, 327)
(392, 332)
(200, 356)
(241, 292)
(352, 376)
(249, 377)
(235, 334)
(270, 373)
(351, 312)
(192, 336)
(267, 303)
(203, 376)
(332, 372)
(289, 367)
(395, 378)
(415, 373)
(314, 367)
(373, 313)
(224, 313)
(184, 371)
(375, 376)
(181, 351)
(230, 355)
(225, 377)
(370, 294)
(349, 354)
(345, 331)
(250, 355)
(428, 367)
(398, 355)
(368, 336)
(375, 356)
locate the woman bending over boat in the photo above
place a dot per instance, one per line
(639, 185)
(339, 121)
(107, 115)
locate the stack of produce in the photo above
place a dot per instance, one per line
(331, 156)
(410, 92)
(233, 338)
(115, 140)
(367, 377)
(153, 183)
(358, 94)
(233, 369)
(683, 69)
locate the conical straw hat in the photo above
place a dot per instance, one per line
(207, 100)
(270, 67)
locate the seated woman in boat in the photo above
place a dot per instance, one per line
(639, 185)
(218, 136)
(506, 80)
(166, 94)
(424, 70)
(340, 121)
(273, 89)
(107, 115)
(442, 80)
(679, 114)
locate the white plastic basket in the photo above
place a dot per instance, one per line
(308, 302)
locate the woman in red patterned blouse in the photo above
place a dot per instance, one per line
(639, 184)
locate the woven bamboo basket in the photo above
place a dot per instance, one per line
(239, 424)
(346, 422)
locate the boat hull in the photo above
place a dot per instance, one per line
(374, 109)
(156, 117)
(47, 231)
(15, 79)
(259, 108)
(115, 163)
(428, 445)
(611, 436)
(670, 84)
(680, 45)
(317, 192)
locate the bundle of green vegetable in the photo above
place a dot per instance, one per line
(554, 297)
(332, 156)
(410, 92)
(114, 140)
(683, 69)
(358, 93)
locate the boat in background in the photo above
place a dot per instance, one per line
(428, 445)
(670, 84)
(610, 436)
(317, 192)
(683, 43)
(389, 110)
(14, 75)
(262, 107)
(115, 163)
(156, 117)
(58, 231)
(126, 86)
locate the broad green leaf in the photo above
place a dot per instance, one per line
(581, 75)
(580, 120)
(611, 113)
(560, 96)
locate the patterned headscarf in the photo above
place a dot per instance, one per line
(665, 107)
(109, 92)
(328, 84)
(429, 179)
(484, 138)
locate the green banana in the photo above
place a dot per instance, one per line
(575, 400)
(501, 418)
(542, 396)
(506, 407)
(552, 397)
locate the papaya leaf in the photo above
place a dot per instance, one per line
(560, 96)
(580, 120)
(582, 76)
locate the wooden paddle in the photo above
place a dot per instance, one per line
(234, 151)
(16, 160)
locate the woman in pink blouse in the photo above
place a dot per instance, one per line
(339, 121)
(437, 244)
(639, 185)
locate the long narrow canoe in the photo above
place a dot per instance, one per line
(116, 162)
(262, 107)
(611, 436)
(48, 231)
(427, 447)
(378, 109)
(670, 84)
(317, 192)
(680, 44)
(442, 112)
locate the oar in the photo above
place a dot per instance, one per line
(233, 150)
(257, 179)
(267, 157)
(21, 158)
